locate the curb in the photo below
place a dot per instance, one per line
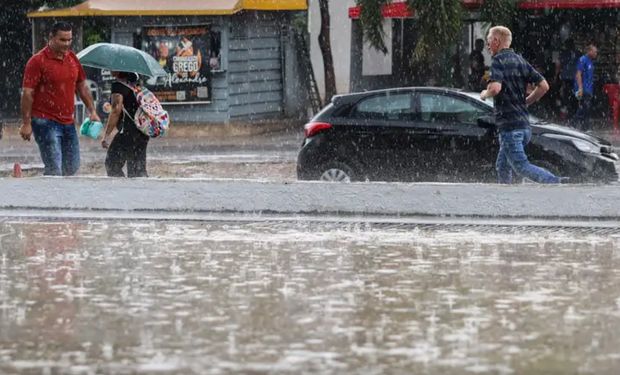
(545, 202)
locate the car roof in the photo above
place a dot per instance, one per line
(338, 100)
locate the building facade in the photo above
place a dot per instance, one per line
(541, 28)
(228, 60)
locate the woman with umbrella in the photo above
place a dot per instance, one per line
(129, 144)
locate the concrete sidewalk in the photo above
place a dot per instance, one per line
(169, 196)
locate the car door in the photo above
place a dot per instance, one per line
(456, 148)
(381, 122)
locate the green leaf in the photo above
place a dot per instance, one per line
(438, 24)
(499, 12)
(371, 21)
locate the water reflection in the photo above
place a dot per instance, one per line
(286, 298)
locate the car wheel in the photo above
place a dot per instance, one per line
(336, 172)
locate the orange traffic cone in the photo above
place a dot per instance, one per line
(17, 170)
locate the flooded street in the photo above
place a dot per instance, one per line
(122, 297)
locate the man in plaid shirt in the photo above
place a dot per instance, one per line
(510, 75)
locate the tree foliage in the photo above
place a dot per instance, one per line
(438, 24)
(16, 41)
(371, 21)
(499, 12)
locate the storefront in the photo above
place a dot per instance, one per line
(228, 60)
(372, 69)
(542, 29)
(549, 29)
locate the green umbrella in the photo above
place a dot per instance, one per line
(120, 58)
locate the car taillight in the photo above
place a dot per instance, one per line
(314, 128)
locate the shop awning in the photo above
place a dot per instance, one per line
(394, 10)
(569, 4)
(94, 8)
(400, 9)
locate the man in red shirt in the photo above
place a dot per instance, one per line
(51, 79)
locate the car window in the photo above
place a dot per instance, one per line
(444, 108)
(387, 106)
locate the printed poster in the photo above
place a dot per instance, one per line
(184, 53)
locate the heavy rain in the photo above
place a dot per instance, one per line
(309, 187)
(292, 297)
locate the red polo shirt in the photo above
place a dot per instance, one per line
(54, 82)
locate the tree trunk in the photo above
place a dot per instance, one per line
(326, 51)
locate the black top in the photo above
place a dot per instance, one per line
(130, 104)
(514, 73)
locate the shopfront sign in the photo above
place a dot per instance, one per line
(184, 53)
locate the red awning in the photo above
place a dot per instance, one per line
(472, 4)
(400, 9)
(393, 10)
(569, 4)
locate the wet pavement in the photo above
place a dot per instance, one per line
(187, 154)
(282, 277)
(275, 297)
(198, 154)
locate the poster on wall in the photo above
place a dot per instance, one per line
(184, 53)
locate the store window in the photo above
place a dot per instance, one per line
(215, 53)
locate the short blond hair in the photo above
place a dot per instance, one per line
(502, 33)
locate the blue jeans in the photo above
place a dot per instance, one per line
(59, 147)
(512, 156)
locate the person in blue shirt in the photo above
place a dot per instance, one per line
(510, 76)
(584, 87)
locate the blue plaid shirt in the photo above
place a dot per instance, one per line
(514, 73)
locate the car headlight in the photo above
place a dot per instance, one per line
(580, 144)
(585, 146)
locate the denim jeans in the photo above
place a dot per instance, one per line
(511, 157)
(59, 147)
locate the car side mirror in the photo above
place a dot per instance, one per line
(486, 122)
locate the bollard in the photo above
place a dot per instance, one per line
(17, 170)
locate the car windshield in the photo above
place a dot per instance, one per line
(489, 102)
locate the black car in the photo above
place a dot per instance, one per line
(434, 134)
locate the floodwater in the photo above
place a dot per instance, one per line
(122, 297)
